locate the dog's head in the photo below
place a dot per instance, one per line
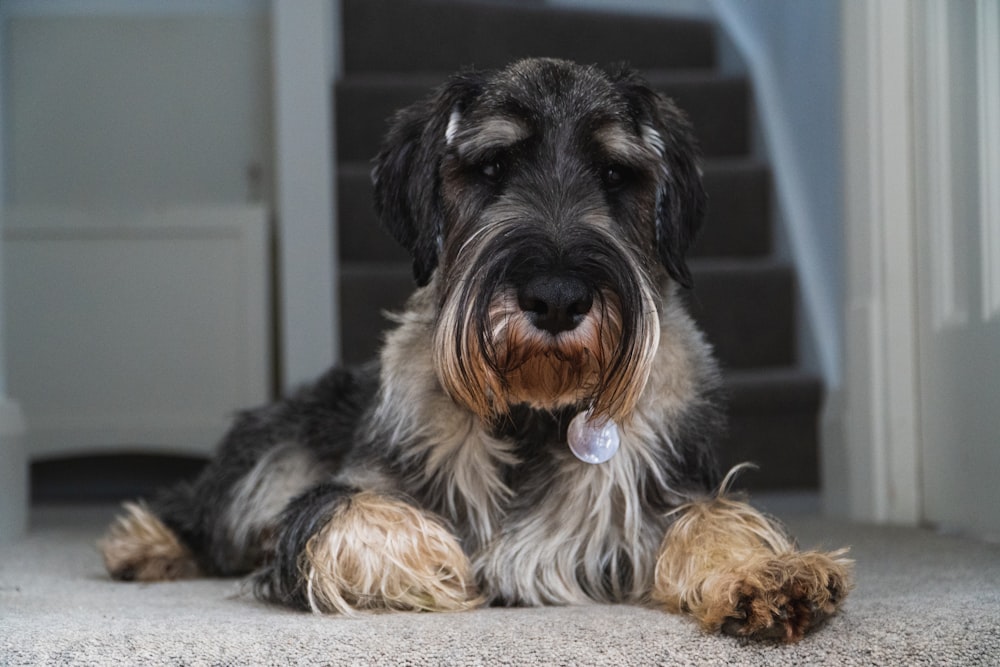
(548, 206)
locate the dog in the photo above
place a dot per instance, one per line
(548, 208)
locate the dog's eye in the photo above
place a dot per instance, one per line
(493, 170)
(613, 177)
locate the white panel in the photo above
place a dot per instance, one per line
(112, 109)
(893, 186)
(959, 364)
(132, 7)
(145, 330)
(988, 66)
(301, 35)
(881, 421)
(938, 203)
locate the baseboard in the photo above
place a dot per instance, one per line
(834, 499)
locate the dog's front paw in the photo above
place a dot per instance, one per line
(379, 553)
(777, 596)
(139, 547)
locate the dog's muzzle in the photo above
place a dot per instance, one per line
(529, 318)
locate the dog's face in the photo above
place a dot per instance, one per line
(547, 206)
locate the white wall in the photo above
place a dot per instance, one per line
(118, 108)
(14, 469)
(306, 55)
(3, 186)
(113, 108)
(128, 104)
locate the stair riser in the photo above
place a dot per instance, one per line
(366, 293)
(764, 428)
(782, 442)
(396, 51)
(746, 315)
(406, 36)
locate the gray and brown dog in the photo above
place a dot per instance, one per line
(548, 208)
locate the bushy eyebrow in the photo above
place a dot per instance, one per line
(616, 144)
(488, 136)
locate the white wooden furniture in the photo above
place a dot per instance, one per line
(921, 420)
(140, 330)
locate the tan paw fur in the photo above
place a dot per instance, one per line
(378, 553)
(776, 596)
(139, 547)
(738, 572)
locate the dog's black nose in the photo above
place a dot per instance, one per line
(555, 303)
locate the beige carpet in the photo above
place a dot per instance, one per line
(922, 599)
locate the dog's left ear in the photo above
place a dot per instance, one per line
(407, 172)
(680, 197)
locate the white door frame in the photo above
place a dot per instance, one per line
(880, 419)
(305, 48)
(14, 472)
(899, 181)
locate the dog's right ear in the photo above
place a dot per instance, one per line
(681, 199)
(407, 171)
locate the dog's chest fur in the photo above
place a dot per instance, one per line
(571, 531)
(539, 525)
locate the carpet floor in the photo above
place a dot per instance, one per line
(921, 599)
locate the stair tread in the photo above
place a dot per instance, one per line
(745, 308)
(737, 224)
(717, 104)
(351, 167)
(698, 265)
(744, 296)
(777, 386)
(729, 265)
(429, 79)
(429, 35)
(773, 413)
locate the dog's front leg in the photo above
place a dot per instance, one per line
(342, 550)
(737, 572)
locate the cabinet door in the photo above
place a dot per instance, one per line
(139, 332)
(958, 272)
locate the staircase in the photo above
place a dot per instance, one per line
(397, 50)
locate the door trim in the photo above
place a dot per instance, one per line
(880, 426)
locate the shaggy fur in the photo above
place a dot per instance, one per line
(548, 208)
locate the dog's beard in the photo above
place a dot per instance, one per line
(546, 371)
(490, 358)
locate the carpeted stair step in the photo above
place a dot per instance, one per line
(429, 35)
(746, 309)
(773, 422)
(743, 307)
(717, 106)
(395, 51)
(738, 221)
(368, 290)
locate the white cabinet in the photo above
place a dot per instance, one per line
(137, 331)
